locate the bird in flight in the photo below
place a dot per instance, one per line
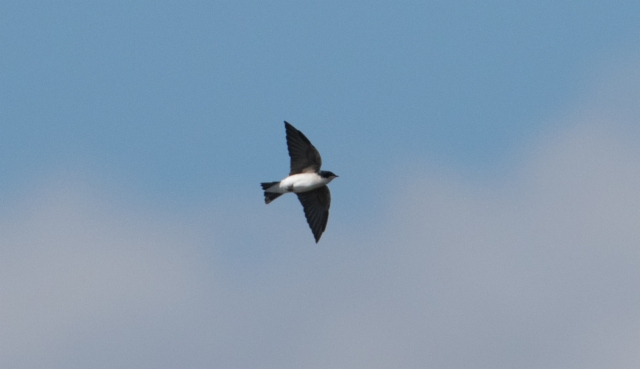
(305, 180)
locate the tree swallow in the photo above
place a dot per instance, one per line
(305, 180)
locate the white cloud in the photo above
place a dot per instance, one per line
(77, 275)
(540, 272)
(539, 275)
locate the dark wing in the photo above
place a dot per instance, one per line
(304, 157)
(316, 208)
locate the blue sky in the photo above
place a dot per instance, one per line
(146, 127)
(185, 100)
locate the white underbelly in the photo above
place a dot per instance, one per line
(301, 182)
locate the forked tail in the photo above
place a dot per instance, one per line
(269, 196)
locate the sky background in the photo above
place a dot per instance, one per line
(487, 213)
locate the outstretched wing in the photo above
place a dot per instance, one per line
(316, 208)
(304, 157)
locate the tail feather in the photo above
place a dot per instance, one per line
(266, 185)
(269, 196)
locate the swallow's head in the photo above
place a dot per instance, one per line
(328, 175)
